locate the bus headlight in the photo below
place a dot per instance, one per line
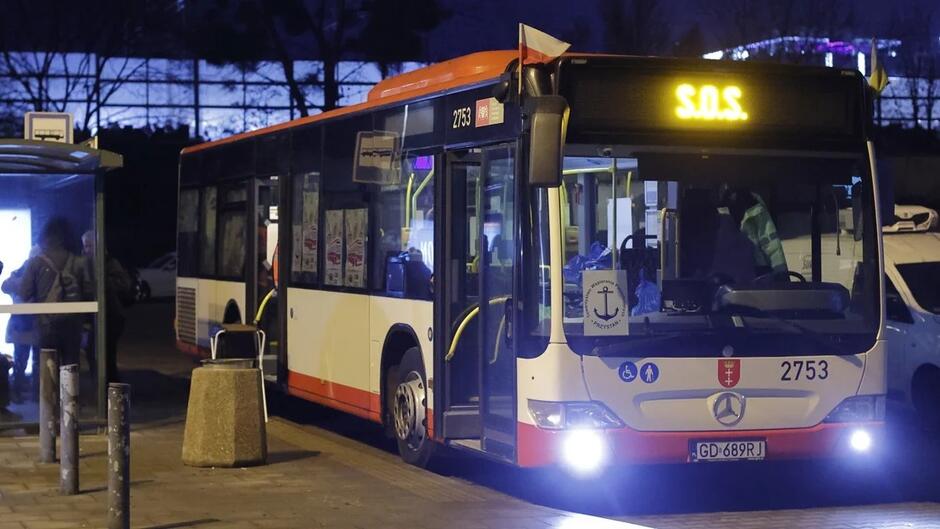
(572, 415)
(860, 441)
(584, 452)
(861, 408)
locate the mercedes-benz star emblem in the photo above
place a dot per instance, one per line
(729, 408)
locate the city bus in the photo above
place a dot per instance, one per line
(625, 260)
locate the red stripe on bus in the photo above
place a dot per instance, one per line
(357, 401)
(341, 397)
(192, 349)
(538, 447)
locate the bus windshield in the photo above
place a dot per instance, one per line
(745, 254)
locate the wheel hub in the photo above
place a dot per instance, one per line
(411, 410)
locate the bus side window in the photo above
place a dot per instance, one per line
(188, 227)
(404, 256)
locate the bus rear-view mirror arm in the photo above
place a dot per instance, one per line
(548, 122)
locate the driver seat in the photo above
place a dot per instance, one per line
(733, 257)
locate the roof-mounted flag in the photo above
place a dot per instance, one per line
(879, 77)
(538, 47)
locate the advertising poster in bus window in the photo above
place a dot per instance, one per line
(298, 245)
(356, 229)
(334, 247)
(311, 231)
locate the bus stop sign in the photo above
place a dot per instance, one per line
(48, 126)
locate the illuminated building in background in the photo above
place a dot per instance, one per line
(896, 104)
(211, 100)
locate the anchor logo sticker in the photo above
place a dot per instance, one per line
(605, 303)
(607, 316)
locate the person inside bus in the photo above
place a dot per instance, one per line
(753, 217)
(715, 248)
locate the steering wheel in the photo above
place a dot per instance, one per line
(772, 276)
(800, 277)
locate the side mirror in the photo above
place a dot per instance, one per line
(548, 122)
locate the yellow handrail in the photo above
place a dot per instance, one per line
(411, 180)
(414, 197)
(466, 320)
(459, 333)
(264, 303)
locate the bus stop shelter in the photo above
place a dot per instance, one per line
(45, 184)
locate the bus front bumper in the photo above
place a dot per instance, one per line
(539, 447)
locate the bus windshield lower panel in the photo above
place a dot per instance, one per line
(674, 254)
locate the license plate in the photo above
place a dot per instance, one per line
(736, 450)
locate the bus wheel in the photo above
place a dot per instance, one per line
(410, 412)
(925, 393)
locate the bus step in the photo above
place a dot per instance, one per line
(467, 444)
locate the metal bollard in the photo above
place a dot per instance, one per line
(68, 430)
(119, 456)
(48, 399)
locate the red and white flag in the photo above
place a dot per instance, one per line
(538, 47)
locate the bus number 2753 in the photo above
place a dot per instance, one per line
(462, 117)
(804, 370)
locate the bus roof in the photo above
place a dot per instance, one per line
(460, 71)
(489, 65)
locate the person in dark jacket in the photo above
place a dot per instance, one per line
(57, 275)
(118, 288)
(23, 334)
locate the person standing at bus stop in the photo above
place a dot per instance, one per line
(22, 333)
(118, 291)
(57, 275)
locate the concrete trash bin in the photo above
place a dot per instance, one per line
(225, 417)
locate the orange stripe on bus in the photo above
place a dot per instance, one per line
(470, 69)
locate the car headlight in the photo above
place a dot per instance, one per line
(859, 409)
(570, 415)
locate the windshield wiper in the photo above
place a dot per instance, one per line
(815, 336)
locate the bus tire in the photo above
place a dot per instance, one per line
(925, 394)
(410, 411)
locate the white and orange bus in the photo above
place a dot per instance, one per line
(634, 260)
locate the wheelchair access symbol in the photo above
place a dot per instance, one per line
(627, 371)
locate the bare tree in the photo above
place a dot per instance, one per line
(74, 54)
(740, 22)
(408, 20)
(247, 31)
(636, 27)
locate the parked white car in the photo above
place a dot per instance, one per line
(158, 279)
(912, 267)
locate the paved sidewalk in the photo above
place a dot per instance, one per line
(315, 479)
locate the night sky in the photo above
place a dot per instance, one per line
(492, 24)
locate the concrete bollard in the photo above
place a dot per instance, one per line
(68, 430)
(48, 399)
(119, 456)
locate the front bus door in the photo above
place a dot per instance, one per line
(262, 272)
(497, 261)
